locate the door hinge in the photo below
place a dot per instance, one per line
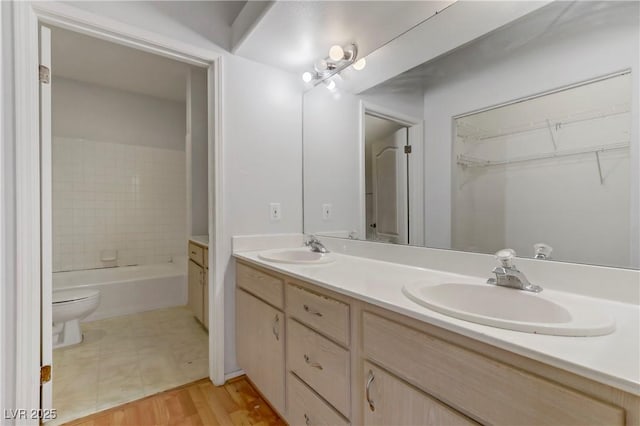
(407, 149)
(44, 74)
(45, 374)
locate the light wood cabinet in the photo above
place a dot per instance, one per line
(198, 283)
(345, 356)
(307, 408)
(391, 401)
(205, 301)
(324, 314)
(477, 384)
(196, 298)
(322, 364)
(260, 348)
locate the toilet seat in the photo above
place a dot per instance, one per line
(73, 295)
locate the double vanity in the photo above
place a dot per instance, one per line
(333, 339)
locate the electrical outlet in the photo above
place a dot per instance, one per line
(326, 211)
(275, 212)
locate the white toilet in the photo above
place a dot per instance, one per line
(69, 307)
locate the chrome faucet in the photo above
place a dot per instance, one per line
(542, 251)
(507, 275)
(315, 245)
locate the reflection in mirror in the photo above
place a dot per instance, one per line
(531, 172)
(525, 138)
(386, 180)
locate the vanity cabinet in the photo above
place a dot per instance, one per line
(260, 332)
(198, 282)
(350, 362)
(392, 401)
(260, 346)
(490, 391)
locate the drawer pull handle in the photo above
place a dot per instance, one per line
(276, 327)
(312, 364)
(307, 420)
(370, 380)
(312, 311)
(193, 253)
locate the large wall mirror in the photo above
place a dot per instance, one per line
(524, 138)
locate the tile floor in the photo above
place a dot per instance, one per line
(126, 358)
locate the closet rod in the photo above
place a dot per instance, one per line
(467, 161)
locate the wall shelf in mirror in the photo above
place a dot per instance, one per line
(468, 161)
(475, 133)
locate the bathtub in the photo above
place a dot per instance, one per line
(130, 289)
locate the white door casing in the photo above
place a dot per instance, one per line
(27, 17)
(46, 348)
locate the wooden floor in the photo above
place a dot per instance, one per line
(198, 403)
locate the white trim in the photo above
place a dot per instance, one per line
(27, 133)
(74, 19)
(216, 297)
(233, 374)
(27, 17)
(46, 194)
(362, 182)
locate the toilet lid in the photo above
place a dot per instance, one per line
(62, 296)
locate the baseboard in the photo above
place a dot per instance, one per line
(233, 374)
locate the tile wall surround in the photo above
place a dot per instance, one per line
(116, 197)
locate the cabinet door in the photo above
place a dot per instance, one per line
(391, 401)
(195, 289)
(260, 346)
(205, 299)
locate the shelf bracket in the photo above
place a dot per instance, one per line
(553, 138)
(599, 167)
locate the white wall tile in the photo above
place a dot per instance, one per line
(110, 196)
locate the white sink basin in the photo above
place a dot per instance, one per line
(512, 309)
(300, 256)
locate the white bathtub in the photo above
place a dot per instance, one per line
(130, 289)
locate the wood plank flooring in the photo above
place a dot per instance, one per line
(198, 403)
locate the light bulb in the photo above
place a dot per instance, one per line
(360, 64)
(307, 77)
(336, 53)
(331, 85)
(321, 65)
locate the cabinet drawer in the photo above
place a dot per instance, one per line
(391, 401)
(196, 253)
(322, 313)
(305, 407)
(481, 385)
(319, 362)
(265, 286)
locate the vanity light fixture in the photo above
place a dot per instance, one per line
(339, 59)
(360, 64)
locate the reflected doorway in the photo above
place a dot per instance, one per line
(386, 179)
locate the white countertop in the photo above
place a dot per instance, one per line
(203, 240)
(613, 359)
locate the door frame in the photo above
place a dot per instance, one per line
(416, 168)
(27, 17)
